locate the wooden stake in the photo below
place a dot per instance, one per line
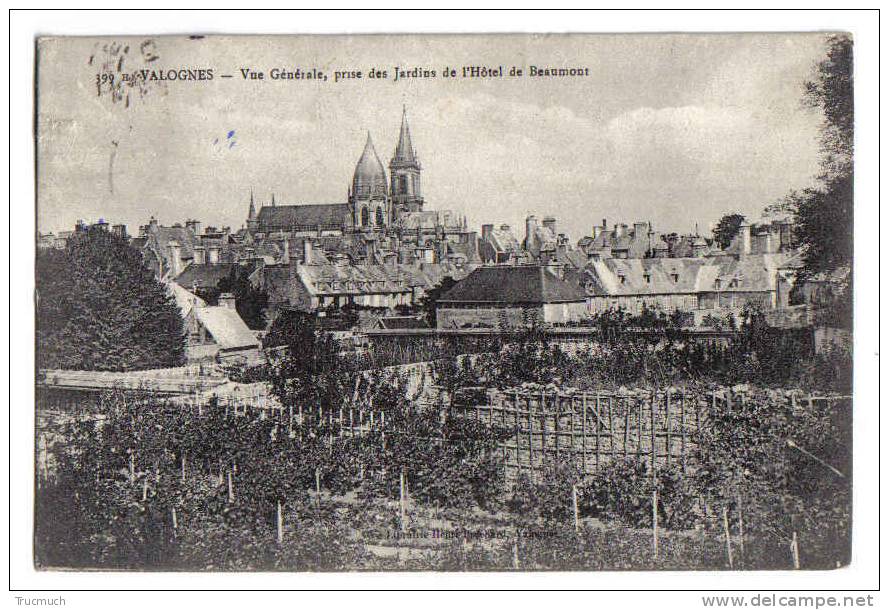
(515, 552)
(280, 522)
(654, 524)
(175, 522)
(231, 489)
(132, 468)
(144, 490)
(728, 538)
(576, 510)
(183, 467)
(653, 437)
(740, 530)
(318, 487)
(583, 455)
(794, 550)
(401, 500)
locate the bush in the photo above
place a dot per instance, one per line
(622, 489)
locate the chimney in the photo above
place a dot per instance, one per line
(487, 230)
(120, 231)
(200, 255)
(214, 254)
(152, 225)
(767, 242)
(549, 222)
(640, 229)
(620, 230)
(530, 225)
(227, 300)
(307, 251)
(194, 226)
(597, 230)
(285, 257)
(744, 235)
(175, 258)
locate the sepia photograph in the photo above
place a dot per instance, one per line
(443, 303)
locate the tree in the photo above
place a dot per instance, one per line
(825, 213)
(250, 302)
(726, 229)
(100, 308)
(429, 300)
(307, 367)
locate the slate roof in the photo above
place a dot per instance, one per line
(504, 241)
(274, 218)
(683, 275)
(185, 300)
(428, 219)
(182, 235)
(226, 327)
(204, 276)
(525, 284)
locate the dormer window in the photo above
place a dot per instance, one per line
(717, 284)
(623, 279)
(675, 277)
(647, 278)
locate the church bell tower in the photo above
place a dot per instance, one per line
(404, 172)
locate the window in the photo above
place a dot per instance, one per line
(364, 217)
(717, 284)
(623, 279)
(380, 217)
(675, 277)
(647, 277)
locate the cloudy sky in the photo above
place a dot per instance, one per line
(675, 129)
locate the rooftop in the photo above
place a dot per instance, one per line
(526, 284)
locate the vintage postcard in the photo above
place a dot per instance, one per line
(444, 303)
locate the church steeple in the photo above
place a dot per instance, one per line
(404, 169)
(404, 151)
(252, 219)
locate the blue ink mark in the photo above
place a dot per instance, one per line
(230, 134)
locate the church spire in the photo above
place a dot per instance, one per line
(404, 151)
(251, 214)
(404, 169)
(252, 218)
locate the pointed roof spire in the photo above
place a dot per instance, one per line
(251, 215)
(273, 200)
(404, 151)
(369, 171)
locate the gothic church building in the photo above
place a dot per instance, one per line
(375, 203)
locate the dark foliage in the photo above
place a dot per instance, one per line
(651, 350)
(427, 303)
(726, 229)
(100, 308)
(825, 214)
